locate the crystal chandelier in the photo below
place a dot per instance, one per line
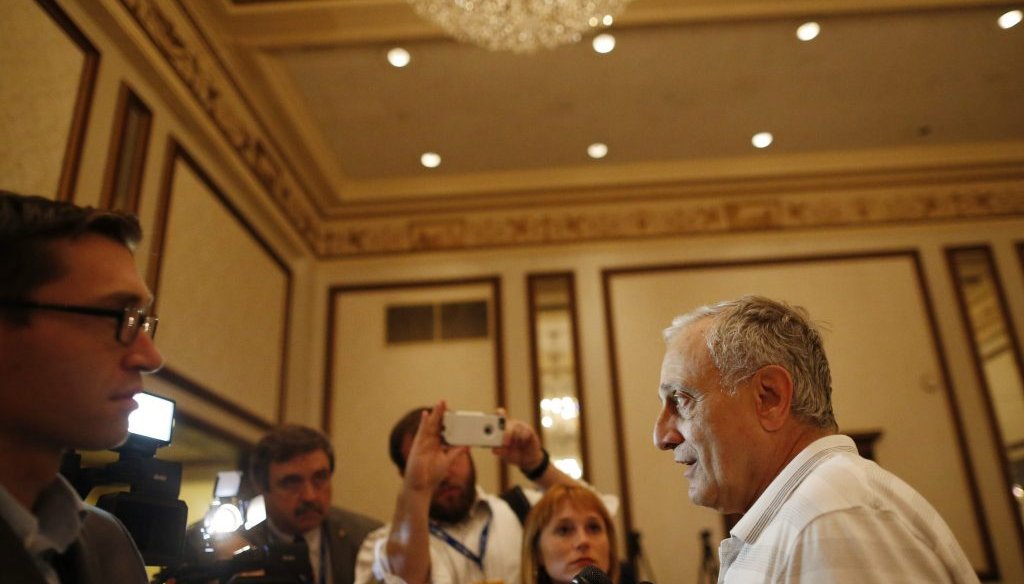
(520, 26)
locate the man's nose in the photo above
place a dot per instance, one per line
(666, 436)
(143, 355)
(307, 491)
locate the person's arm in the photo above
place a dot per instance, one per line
(521, 447)
(408, 543)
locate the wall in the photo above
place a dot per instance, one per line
(897, 341)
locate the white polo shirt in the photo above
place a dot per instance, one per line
(832, 516)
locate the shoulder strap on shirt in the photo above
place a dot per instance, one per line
(516, 499)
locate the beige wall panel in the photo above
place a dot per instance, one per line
(886, 376)
(41, 70)
(222, 300)
(203, 410)
(374, 384)
(589, 260)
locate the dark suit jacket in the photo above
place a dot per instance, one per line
(102, 554)
(345, 533)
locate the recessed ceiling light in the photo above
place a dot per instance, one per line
(430, 159)
(808, 31)
(604, 43)
(1010, 19)
(597, 150)
(399, 57)
(607, 20)
(762, 139)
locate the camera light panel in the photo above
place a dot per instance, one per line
(154, 418)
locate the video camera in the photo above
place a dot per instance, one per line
(277, 563)
(150, 511)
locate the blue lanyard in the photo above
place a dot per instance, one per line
(477, 559)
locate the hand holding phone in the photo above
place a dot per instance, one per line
(473, 429)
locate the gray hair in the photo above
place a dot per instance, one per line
(753, 331)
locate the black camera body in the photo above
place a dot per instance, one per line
(151, 511)
(275, 563)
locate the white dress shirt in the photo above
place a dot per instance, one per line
(448, 565)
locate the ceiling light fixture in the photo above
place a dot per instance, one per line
(762, 140)
(399, 57)
(430, 159)
(604, 43)
(597, 150)
(1010, 19)
(808, 31)
(520, 26)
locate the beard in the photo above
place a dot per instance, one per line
(454, 510)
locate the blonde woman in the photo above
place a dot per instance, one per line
(567, 530)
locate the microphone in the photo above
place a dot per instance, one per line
(591, 575)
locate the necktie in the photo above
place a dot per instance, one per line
(305, 565)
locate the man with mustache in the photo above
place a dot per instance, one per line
(446, 529)
(76, 336)
(291, 467)
(746, 399)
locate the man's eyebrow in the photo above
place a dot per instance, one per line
(666, 388)
(682, 387)
(128, 299)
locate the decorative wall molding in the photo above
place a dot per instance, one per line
(670, 219)
(177, 157)
(126, 161)
(198, 68)
(677, 212)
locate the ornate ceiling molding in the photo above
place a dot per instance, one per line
(681, 212)
(197, 66)
(671, 219)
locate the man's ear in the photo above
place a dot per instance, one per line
(773, 387)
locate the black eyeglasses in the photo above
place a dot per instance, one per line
(129, 320)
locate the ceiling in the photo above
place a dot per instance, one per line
(889, 86)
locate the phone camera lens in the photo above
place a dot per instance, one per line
(488, 429)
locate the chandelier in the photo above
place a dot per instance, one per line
(520, 26)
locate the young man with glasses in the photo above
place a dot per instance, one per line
(75, 338)
(291, 467)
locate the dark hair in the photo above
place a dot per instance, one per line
(407, 426)
(282, 444)
(29, 225)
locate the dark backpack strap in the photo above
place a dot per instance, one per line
(516, 499)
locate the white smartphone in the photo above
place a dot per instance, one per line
(473, 429)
